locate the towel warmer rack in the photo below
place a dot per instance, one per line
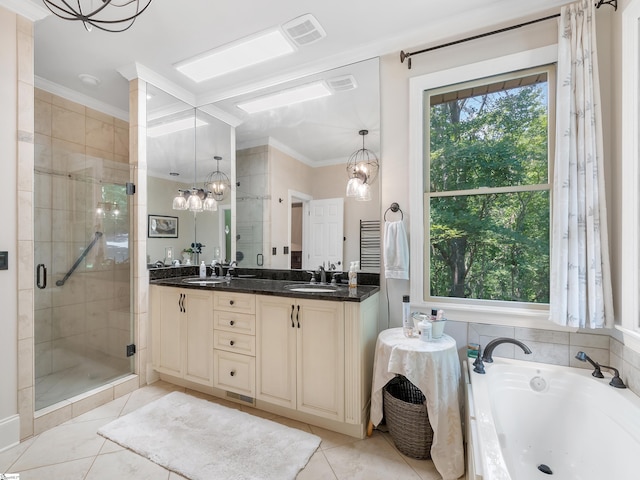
(370, 244)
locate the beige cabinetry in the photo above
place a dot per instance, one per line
(300, 352)
(182, 333)
(309, 360)
(234, 343)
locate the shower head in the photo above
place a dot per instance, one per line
(583, 357)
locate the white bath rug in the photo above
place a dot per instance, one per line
(201, 440)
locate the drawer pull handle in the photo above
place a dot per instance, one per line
(232, 343)
(231, 302)
(232, 373)
(232, 323)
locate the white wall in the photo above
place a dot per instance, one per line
(8, 232)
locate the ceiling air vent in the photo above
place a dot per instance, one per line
(342, 83)
(304, 30)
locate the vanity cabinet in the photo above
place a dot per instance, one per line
(300, 355)
(306, 359)
(182, 327)
(234, 343)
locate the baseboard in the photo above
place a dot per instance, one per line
(9, 432)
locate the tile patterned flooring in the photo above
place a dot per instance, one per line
(74, 451)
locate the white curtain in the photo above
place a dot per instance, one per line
(580, 274)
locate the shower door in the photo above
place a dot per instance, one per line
(83, 316)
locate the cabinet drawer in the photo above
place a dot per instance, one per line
(235, 322)
(234, 342)
(234, 372)
(235, 302)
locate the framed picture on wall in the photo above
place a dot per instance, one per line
(161, 226)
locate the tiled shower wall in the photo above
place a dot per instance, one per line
(78, 151)
(554, 347)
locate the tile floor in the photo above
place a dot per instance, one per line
(74, 451)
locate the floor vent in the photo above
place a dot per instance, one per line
(304, 30)
(342, 83)
(242, 398)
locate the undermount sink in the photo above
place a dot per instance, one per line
(312, 288)
(204, 281)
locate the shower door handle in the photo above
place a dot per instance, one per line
(41, 280)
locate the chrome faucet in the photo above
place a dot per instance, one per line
(616, 381)
(216, 266)
(488, 352)
(231, 267)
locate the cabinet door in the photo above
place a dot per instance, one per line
(320, 357)
(276, 350)
(198, 334)
(167, 330)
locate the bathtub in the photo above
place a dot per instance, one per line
(523, 418)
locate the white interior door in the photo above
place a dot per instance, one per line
(323, 233)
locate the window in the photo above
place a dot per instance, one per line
(480, 206)
(487, 190)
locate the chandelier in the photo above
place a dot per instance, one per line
(195, 199)
(96, 13)
(217, 182)
(362, 169)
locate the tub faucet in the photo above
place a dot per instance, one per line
(488, 349)
(478, 364)
(616, 381)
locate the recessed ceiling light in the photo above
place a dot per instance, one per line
(173, 126)
(291, 96)
(236, 55)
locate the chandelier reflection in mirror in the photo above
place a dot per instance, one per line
(195, 199)
(217, 182)
(362, 168)
(108, 15)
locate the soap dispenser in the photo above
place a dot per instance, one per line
(353, 276)
(203, 270)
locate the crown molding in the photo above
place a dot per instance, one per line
(27, 9)
(80, 98)
(137, 70)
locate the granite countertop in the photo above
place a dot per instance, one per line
(271, 287)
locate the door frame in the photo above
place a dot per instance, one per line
(305, 199)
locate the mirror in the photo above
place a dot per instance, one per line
(282, 159)
(288, 156)
(182, 144)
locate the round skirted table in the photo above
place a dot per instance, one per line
(433, 367)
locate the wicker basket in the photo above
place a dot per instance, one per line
(407, 419)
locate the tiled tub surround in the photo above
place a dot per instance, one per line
(81, 328)
(553, 347)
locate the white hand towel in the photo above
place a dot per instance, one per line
(396, 251)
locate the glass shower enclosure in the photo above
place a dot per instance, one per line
(83, 319)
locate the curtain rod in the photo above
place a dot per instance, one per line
(407, 55)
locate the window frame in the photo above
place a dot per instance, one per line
(479, 311)
(629, 316)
